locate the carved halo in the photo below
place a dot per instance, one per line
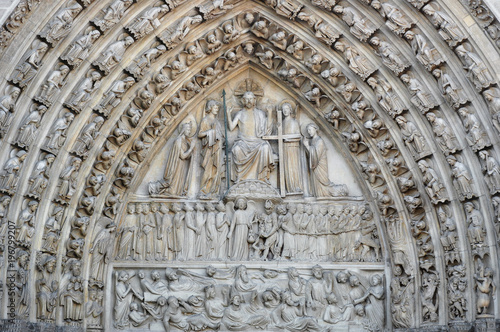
(194, 127)
(294, 105)
(303, 129)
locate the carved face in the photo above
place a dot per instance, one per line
(360, 310)
(155, 275)
(249, 100)
(431, 117)
(236, 300)
(299, 45)
(210, 292)
(469, 207)
(244, 274)
(173, 276)
(342, 277)
(77, 269)
(173, 302)
(422, 167)
(214, 109)
(241, 204)
(95, 76)
(15, 93)
(186, 128)
(129, 41)
(293, 273)
(287, 109)
(6, 201)
(123, 276)
(317, 272)
(164, 209)
(375, 280)
(462, 285)
(260, 25)
(33, 206)
(338, 9)
(176, 65)
(249, 18)
(211, 271)
(249, 48)
(51, 266)
(311, 131)
(376, 5)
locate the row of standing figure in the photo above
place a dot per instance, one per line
(208, 231)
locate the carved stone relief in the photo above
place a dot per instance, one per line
(261, 192)
(240, 297)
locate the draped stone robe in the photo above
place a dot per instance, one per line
(253, 157)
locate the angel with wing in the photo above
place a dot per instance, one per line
(240, 229)
(231, 59)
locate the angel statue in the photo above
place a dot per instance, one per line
(178, 170)
(291, 147)
(241, 229)
(212, 140)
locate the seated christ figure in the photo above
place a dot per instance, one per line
(252, 155)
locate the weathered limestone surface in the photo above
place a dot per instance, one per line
(242, 165)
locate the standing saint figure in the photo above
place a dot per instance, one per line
(291, 165)
(212, 142)
(321, 186)
(178, 169)
(492, 171)
(252, 155)
(101, 251)
(238, 233)
(113, 55)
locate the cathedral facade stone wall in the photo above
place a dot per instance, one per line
(243, 165)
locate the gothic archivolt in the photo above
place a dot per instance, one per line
(95, 92)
